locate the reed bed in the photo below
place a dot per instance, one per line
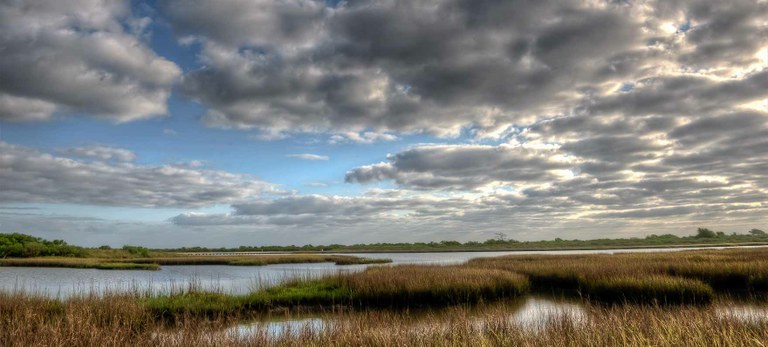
(154, 263)
(655, 299)
(393, 287)
(640, 276)
(123, 321)
(432, 285)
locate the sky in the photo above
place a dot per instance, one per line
(214, 123)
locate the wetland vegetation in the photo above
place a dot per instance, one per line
(627, 299)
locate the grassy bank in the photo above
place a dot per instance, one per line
(383, 287)
(154, 263)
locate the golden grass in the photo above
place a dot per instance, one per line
(432, 285)
(732, 271)
(119, 320)
(392, 287)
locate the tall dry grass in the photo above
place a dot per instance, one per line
(123, 321)
(734, 271)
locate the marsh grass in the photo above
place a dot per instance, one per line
(649, 290)
(122, 320)
(154, 263)
(655, 299)
(392, 287)
(644, 277)
(432, 286)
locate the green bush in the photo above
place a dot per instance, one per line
(25, 246)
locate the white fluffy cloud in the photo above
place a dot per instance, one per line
(101, 153)
(28, 175)
(77, 57)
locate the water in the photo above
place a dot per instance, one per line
(64, 282)
(276, 328)
(750, 314)
(537, 312)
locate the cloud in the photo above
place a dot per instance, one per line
(308, 156)
(320, 210)
(451, 65)
(78, 58)
(600, 167)
(30, 176)
(363, 137)
(101, 153)
(462, 166)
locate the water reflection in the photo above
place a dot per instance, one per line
(276, 329)
(536, 313)
(749, 314)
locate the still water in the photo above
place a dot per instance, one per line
(63, 282)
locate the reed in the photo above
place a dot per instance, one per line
(121, 320)
(432, 286)
(734, 272)
(394, 287)
(649, 290)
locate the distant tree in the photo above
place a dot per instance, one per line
(137, 250)
(105, 247)
(720, 234)
(757, 232)
(20, 245)
(501, 236)
(705, 233)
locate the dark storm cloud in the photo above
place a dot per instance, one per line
(443, 65)
(396, 65)
(78, 57)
